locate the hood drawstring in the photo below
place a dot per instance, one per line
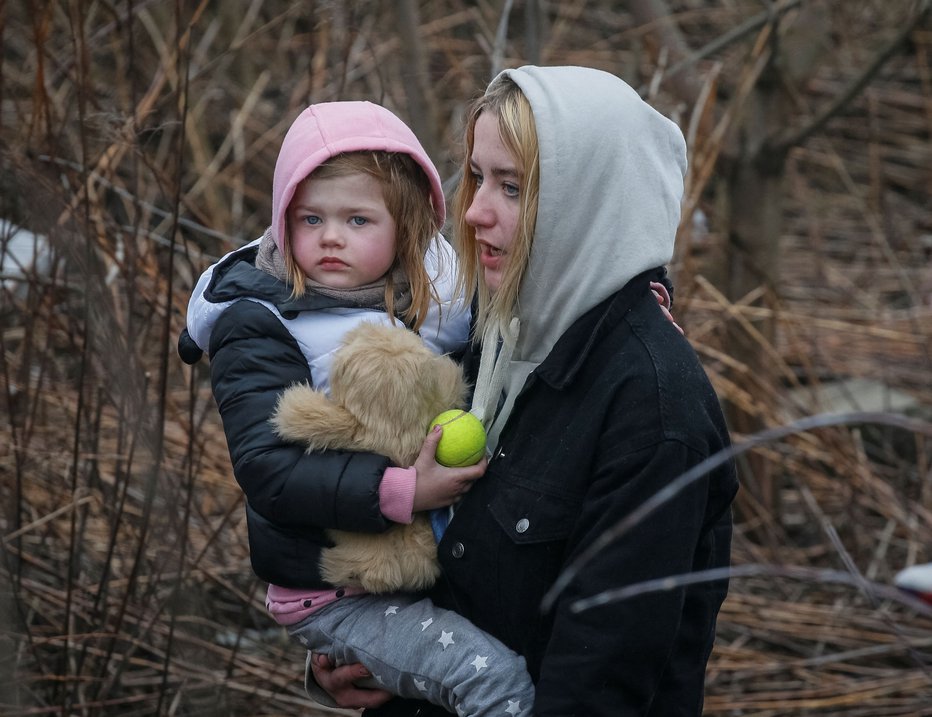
(493, 365)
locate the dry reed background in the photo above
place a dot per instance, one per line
(139, 137)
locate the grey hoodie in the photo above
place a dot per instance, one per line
(611, 181)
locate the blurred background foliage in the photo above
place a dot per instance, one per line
(137, 141)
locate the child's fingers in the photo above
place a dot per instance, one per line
(431, 440)
(661, 294)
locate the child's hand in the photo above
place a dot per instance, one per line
(666, 303)
(438, 486)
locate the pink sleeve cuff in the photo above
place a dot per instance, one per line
(396, 494)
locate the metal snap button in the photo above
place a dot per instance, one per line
(523, 525)
(458, 550)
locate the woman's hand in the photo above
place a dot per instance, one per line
(338, 682)
(438, 486)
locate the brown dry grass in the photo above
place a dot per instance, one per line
(139, 137)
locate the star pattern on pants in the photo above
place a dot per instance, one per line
(480, 663)
(408, 620)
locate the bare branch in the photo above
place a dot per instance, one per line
(501, 39)
(803, 425)
(415, 76)
(657, 13)
(797, 137)
(533, 30)
(792, 572)
(723, 41)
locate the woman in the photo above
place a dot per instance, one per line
(594, 402)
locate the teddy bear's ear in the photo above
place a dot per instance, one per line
(306, 416)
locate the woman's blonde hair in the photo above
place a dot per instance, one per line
(407, 195)
(516, 126)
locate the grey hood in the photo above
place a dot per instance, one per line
(611, 182)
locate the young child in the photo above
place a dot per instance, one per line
(356, 210)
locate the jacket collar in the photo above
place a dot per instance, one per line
(573, 348)
(237, 276)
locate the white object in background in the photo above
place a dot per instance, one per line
(22, 255)
(916, 580)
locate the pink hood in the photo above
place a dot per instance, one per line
(330, 128)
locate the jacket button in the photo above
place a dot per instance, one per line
(522, 525)
(458, 550)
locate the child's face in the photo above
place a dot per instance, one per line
(342, 234)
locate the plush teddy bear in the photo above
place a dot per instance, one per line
(385, 388)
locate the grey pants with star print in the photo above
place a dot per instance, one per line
(415, 649)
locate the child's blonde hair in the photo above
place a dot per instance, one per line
(516, 126)
(407, 194)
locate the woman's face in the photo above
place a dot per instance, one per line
(495, 206)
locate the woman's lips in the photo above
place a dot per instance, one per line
(489, 256)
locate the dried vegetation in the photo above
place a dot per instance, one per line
(139, 137)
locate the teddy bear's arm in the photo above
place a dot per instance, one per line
(305, 415)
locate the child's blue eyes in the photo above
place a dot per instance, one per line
(313, 221)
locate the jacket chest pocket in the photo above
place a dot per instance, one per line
(529, 513)
(534, 525)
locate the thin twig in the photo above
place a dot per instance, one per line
(676, 486)
(791, 572)
(501, 39)
(796, 137)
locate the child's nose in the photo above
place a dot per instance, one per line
(331, 235)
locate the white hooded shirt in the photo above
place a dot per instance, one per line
(611, 180)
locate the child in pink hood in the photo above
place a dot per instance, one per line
(357, 207)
